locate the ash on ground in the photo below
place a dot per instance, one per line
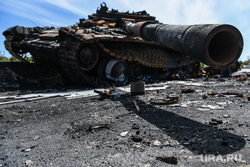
(77, 128)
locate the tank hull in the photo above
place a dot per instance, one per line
(115, 47)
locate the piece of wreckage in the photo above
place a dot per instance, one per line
(112, 46)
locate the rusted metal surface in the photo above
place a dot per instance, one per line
(136, 106)
(121, 47)
(186, 90)
(137, 88)
(106, 93)
(222, 95)
(213, 44)
(242, 78)
(167, 101)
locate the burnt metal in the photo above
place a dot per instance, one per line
(168, 159)
(137, 88)
(222, 94)
(106, 93)
(186, 90)
(113, 47)
(213, 44)
(136, 106)
(167, 101)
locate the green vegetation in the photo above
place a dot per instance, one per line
(12, 59)
(202, 65)
(75, 25)
(245, 62)
(5, 59)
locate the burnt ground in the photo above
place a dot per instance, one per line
(111, 132)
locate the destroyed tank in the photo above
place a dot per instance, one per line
(113, 46)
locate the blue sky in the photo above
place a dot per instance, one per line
(59, 13)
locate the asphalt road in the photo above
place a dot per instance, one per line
(87, 131)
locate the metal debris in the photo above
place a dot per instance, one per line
(242, 78)
(222, 95)
(186, 90)
(136, 106)
(248, 98)
(28, 100)
(166, 159)
(167, 101)
(137, 88)
(106, 93)
(99, 126)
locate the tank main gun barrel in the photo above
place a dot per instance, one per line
(213, 44)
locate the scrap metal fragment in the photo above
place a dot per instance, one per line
(222, 94)
(28, 100)
(248, 98)
(166, 159)
(167, 101)
(106, 93)
(242, 78)
(137, 88)
(136, 106)
(186, 90)
(99, 126)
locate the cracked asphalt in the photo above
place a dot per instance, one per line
(111, 132)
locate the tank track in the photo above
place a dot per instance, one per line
(148, 56)
(8, 46)
(70, 63)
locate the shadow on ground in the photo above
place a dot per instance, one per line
(197, 137)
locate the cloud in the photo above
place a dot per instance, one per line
(74, 6)
(173, 12)
(32, 11)
(195, 12)
(59, 12)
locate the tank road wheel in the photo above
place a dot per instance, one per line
(78, 62)
(88, 58)
(114, 70)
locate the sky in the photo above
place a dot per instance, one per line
(61, 13)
